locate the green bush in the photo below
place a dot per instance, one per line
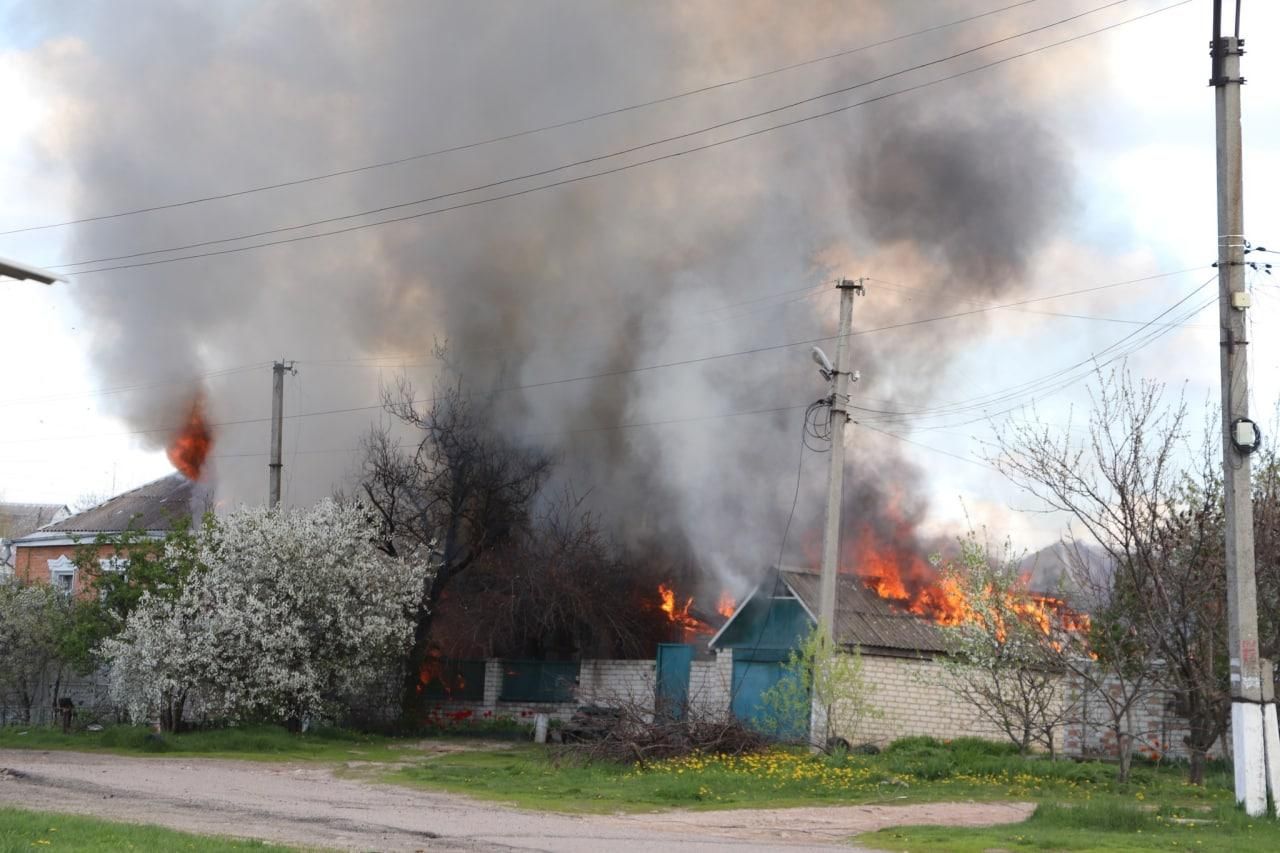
(915, 743)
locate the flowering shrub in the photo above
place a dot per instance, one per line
(287, 612)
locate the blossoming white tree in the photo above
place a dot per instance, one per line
(288, 613)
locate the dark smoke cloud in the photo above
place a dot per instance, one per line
(177, 99)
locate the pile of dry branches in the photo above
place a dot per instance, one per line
(632, 734)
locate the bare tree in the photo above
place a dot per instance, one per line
(1128, 487)
(1112, 663)
(560, 588)
(1004, 658)
(455, 491)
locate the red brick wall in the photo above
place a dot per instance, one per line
(31, 564)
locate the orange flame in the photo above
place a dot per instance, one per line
(190, 447)
(910, 583)
(725, 605)
(678, 614)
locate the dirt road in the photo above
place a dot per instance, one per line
(308, 805)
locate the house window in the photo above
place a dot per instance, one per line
(113, 564)
(62, 575)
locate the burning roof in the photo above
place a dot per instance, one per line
(864, 618)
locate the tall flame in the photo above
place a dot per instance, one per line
(189, 449)
(679, 614)
(889, 566)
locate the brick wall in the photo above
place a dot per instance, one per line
(31, 563)
(604, 683)
(1156, 730)
(912, 697)
(711, 684)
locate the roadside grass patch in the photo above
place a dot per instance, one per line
(27, 831)
(914, 770)
(1100, 825)
(254, 742)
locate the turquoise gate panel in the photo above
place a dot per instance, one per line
(675, 660)
(753, 676)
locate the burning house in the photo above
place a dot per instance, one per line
(899, 651)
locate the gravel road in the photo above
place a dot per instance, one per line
(307, 805)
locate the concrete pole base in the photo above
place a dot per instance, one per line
(1250, 762)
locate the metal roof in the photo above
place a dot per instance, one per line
(156, 506)
(865, 619)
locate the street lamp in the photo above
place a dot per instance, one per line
(21, 271)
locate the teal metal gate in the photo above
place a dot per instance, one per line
(754, 672)
(671, 699)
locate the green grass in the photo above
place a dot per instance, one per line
(28, 831)
(265, 743)
(918, 770)
(1104, 825)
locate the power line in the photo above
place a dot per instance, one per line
(805, 292)
(591, 175)
(647, 368)
(1044, 385)
(518, 134)
(1091, 317)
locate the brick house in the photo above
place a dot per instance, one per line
(48, 555)
(900, 655)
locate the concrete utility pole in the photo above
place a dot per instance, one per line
(1240, 438)
(278, 371)
(835, 476)
(838, 376)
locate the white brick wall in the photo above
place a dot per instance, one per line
(912, 697)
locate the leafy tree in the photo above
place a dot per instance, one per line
(32, 620)
(1003, 658)
(291, 613)
(136, 565)
(818, 673)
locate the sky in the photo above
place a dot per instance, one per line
(194, 101)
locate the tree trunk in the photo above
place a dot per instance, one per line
(412, 703)
(1124, 743)
(1196, 774)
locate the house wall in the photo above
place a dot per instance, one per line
(605, 683)
(31, 564)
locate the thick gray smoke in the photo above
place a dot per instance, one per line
(935, 190)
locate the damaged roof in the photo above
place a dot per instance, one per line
(864, 618)
(155, 507)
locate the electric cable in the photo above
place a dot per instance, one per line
(571, 180)
(518, 134)
(627, 371)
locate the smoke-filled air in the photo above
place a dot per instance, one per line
(570, 303)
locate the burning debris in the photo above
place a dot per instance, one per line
(680, 615)
(190, 448)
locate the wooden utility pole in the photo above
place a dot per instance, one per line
(277, 430)
(1240, 438)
